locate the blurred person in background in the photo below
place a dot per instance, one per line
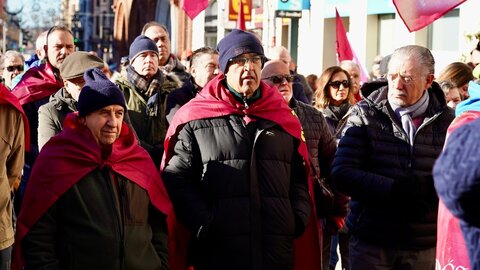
(12, 65)
(203, 68)
(452, 93)
(312, 82)
(168, 62)
(355, 80)
(459, 74)
(301, 90)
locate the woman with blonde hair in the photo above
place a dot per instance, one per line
(334, 96)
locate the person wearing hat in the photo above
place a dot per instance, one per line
(52, 114)
(235, 169)
(146, 89)
(85, 207)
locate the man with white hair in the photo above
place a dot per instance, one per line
(384, 163)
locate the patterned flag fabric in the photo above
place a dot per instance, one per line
(417, 14)
(194, 7)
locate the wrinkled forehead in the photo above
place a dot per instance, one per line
(402, 64)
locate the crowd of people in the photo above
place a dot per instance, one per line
(231, 159)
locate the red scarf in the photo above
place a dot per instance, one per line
(37, 83)
(6, 97)
(71, 155)
(216, 101)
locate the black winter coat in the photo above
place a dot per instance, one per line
(394, 203)
(321, 148)
(241, 189)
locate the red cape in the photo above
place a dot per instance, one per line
(217, 101)
(36, 83)
(71, 155)
(6, 97)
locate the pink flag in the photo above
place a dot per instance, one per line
(193, 7)
(417, 14)
(241, 18)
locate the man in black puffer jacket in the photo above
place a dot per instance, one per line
(384, 162)
(234, 169)
(321, 147)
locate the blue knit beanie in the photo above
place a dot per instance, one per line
(236, 43)
(141, 44)
(98, 92)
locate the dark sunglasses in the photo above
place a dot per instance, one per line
(12, 68)
(280, 78)
(336, 84)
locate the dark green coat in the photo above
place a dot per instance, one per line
(103, 222)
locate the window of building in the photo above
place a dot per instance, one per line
(443, 33)
(386, 22)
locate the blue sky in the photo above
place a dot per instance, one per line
(35, 12)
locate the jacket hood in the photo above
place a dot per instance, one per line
(472, 103)
(62, 99)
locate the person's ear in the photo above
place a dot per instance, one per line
(429, 80)
(82, 120)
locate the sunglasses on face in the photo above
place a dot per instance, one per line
(280, 79)
(12, 68)
(336, 84)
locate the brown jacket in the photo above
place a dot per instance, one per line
(12, 147)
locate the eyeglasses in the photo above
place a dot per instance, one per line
(280, 78)
(405, 79)
(336, 84)
(241, 61)
(12, 68)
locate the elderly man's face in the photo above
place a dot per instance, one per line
(355, 79)
(407, 81)
(243, 73)
(105, 124)
(146, 64)
(204, 68)
(161, 38)
(59, 45)
(12, 66)
(276, 73)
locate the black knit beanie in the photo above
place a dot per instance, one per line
(98, 92)
(236, 43)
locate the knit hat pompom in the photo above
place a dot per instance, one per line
(141, 44)
(98, 92)
(236, 43)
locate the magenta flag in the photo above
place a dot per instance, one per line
(241, 17)
(416, 14)
(344, 50)
(193, 7)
